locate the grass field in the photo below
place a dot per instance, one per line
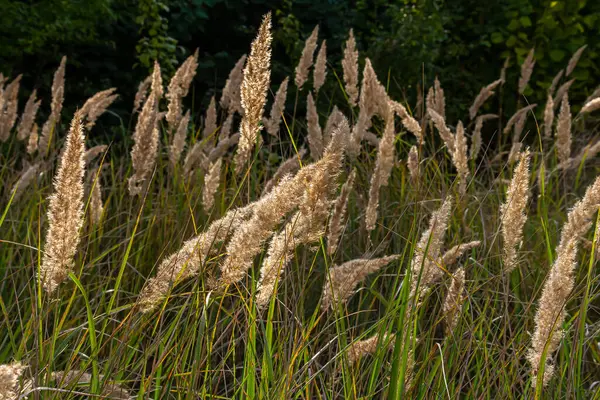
(258, 306)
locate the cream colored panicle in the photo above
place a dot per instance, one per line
(315, 134)
(350, 68)
(526, 70)
(337, 220)
(272, 124)
(211, 184)
(8, 109)
(306, 59)
(65, 211)
(178, 143)
(362, 348)
(485, 93)
(454, 300)
(9, 380)
(559, 283)
(58, 96)
(563, 131)
(28, 117)
(320, 71)
(230, 98)
(255, 84)
(342, 280)
(97, 105)
(289, 166)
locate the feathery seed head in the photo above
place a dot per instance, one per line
(306, 59)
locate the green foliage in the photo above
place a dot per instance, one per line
(155, 44)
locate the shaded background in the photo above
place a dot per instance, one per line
(464, 42)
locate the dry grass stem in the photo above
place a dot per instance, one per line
(146, 137)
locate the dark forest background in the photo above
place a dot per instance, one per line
(463, 42)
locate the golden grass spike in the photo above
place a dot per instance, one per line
(315, 134)
(526, 70)
(146, 136)
(230, 98)
(563, 130)
(65, 211)
(362, 348)
(178, 143)
(350, 68)
(342, 280)
(383, 170)
(454, 300)
(575, 59)
(306, 59)
(211, 184)
(257, 74)
(513, 212)
(550, 314)
(289, 166)
(338, 215)
(28, 117)
(58, 96)
(8, 111)
(272, 124)
(320, 71)
(485, 93)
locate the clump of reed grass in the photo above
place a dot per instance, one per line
(249, 237)
(559, 283)
(189, 259)
(306, 59)
(350, 69)
(58, 96)
(146, 136)
(65, 211)
(513, 213)
(253, 92)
